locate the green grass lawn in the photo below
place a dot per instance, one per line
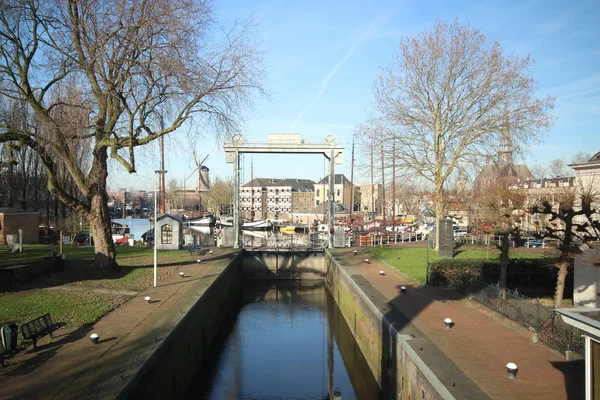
(30, 298)
(413, 261)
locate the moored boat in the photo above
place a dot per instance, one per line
(208, 220)
(258, 225)
(287, 229)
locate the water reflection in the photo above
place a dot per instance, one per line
(287, 341)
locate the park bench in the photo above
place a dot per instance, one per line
(39, 327)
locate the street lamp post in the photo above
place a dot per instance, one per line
(157, 172)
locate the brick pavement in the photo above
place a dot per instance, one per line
(479, 344)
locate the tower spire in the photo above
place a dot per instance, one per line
(505, 150)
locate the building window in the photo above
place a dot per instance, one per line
(166, 234)
(318, 202)
(318, 193)
(338, 193)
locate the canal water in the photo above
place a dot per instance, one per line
(286, 340)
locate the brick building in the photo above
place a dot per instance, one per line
(13, 219)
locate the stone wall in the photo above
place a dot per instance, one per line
(283, 264)
(400, 372)
(168, 372)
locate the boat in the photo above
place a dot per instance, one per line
(205, 230)
(208, 220)
(258, 234)
(257, 225)
(287, 229)
(123, 240)
(224, 221)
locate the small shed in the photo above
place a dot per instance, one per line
(13, 219)
(169, 231)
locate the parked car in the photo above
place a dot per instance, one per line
(460, 233)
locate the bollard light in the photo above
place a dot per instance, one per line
(448, 322)
(210, 252)
(355, 252)
(181, 274)
(198, 261)
(403, 289)
(381, 273)
(94, 337)
(367, 260)
(512, 370)
(147, 298)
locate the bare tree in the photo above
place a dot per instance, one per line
(573, 217)
(501, 206)
(539, 171)
(175, 194)
(220, 195)
(142, 69)
(446, 98)
(558, 168)
(580, 157)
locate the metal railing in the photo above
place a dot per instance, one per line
(540, 319)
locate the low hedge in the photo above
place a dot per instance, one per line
(533, 276)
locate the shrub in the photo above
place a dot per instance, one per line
(527, 275)
(458, 273)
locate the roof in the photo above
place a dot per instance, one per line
(586, 319)
(338, 179)
(177, 217)
(490, 173)
(297, 185)
(458, 206)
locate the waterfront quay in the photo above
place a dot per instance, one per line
(154, 349)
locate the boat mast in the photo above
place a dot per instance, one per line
(162, 178)
(352, 183)
(383, 187)
(251, 190)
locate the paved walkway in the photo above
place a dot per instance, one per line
(480, 343)
(68, 365)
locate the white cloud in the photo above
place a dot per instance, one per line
(378, 21)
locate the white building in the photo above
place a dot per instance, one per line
(342, 191)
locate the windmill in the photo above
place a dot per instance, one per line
(199, 167)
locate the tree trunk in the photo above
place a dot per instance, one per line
(560, 283)
(99, 215)
(503, 264)
(100, 225)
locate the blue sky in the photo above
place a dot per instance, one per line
(323, 56)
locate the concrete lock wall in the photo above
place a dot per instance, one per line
(283, 265)
(168, 372)
(400, 372)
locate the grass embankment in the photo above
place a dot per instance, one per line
(412, 261)
(78, 302)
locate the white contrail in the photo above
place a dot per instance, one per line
(334, 71)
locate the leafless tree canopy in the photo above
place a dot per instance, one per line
(112, 75)
(447, 98)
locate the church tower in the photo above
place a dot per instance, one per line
(505, 151)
